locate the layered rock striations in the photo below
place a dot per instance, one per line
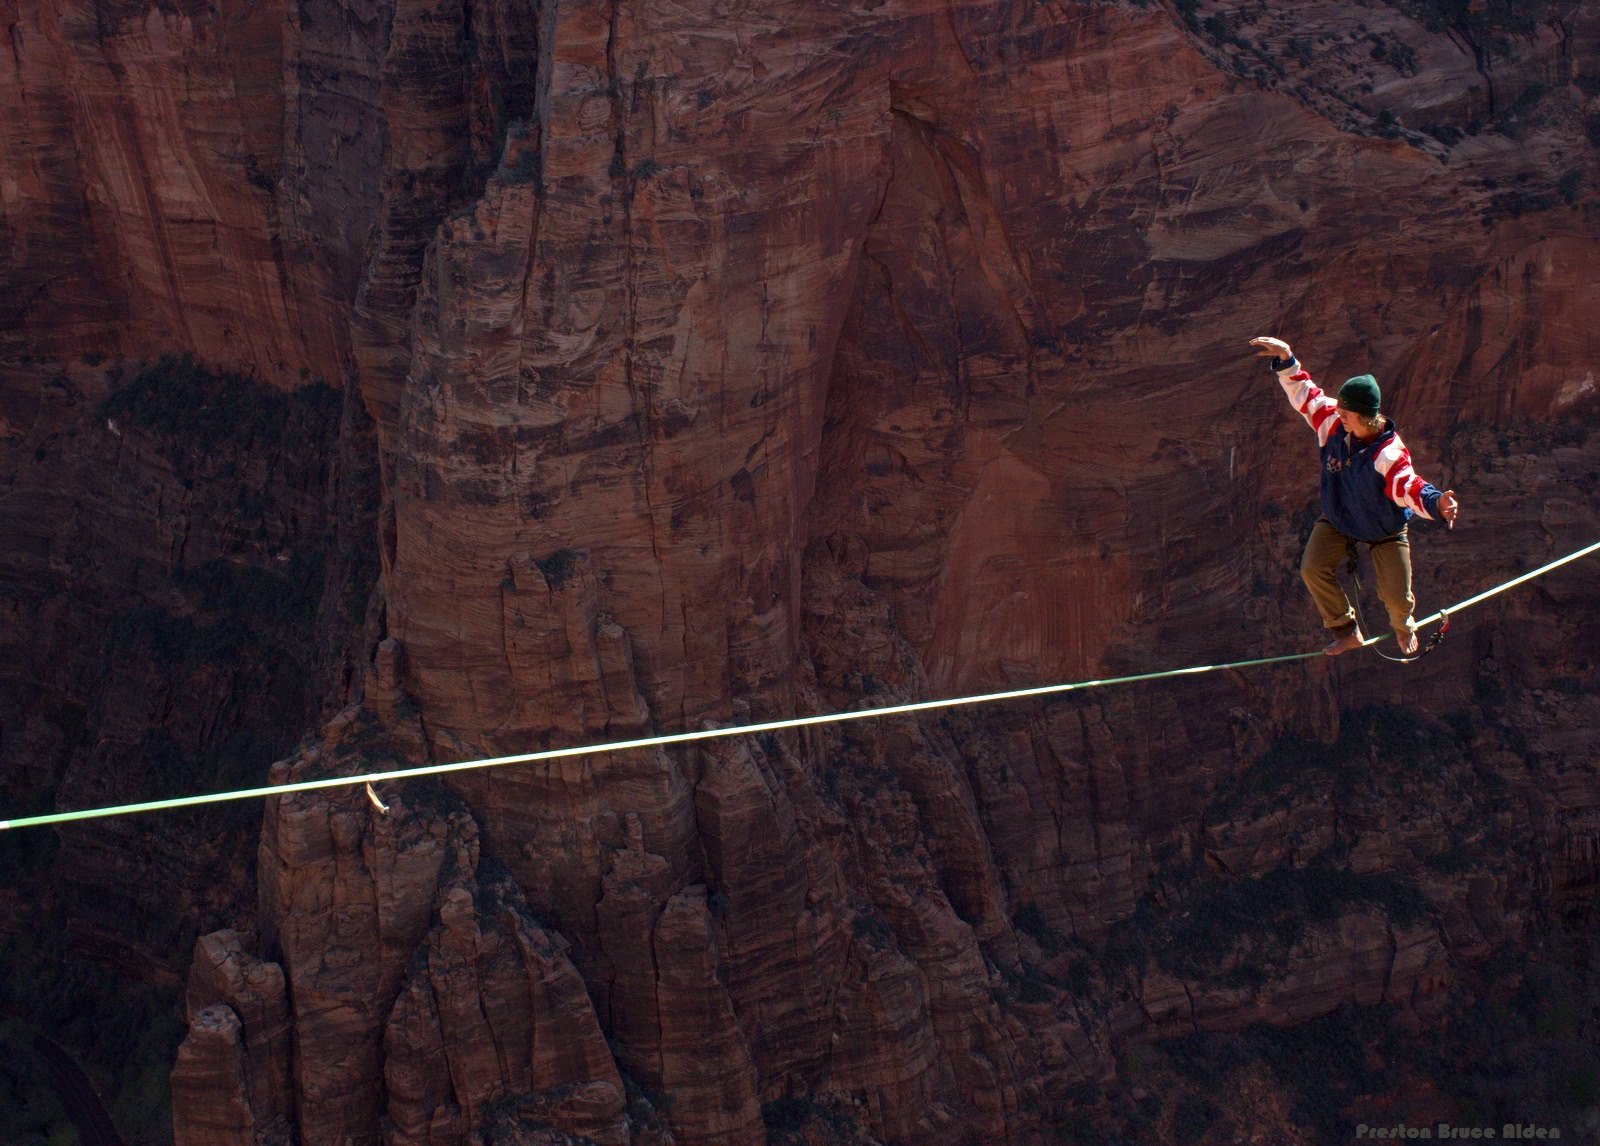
(189, 178)
(187, 559)
(742, 361)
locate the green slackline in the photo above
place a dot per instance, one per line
(721, 733)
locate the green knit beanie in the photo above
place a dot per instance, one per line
(1360, 394)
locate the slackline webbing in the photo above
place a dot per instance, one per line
(737, 730)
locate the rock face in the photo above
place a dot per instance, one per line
(188, 557)
(188, 178)
(738, 360)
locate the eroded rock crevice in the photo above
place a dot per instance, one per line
(733, 361)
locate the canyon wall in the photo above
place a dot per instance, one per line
(740, 360)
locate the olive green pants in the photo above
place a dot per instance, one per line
(1391, 557)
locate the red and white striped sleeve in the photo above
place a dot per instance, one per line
(1401, 482)
(1309, 401)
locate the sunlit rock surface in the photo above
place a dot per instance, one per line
(742, 360)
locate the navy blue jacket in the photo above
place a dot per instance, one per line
(1369, 490)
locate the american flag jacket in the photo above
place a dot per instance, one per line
(1369, 490)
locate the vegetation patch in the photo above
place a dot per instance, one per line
(1211, 920)
(1515, 1054)
(1323, 1066)
(558, 568)
(1490, 23)
(1379, 748)
(872, 930)
(204, 411)
(124, 1036)
(1029, 920)
(789, 1118)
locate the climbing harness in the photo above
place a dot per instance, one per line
(371, 778)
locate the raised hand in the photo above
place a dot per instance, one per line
(1267, 347)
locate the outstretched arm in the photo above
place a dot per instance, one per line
(1304, 395)
(1267, 347)
(1409, 490)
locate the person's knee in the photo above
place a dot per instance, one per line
(1315, 572)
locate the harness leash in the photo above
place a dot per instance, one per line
(1434, 640)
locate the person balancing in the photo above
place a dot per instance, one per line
(1369, 493)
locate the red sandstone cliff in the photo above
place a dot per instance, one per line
(742, 360)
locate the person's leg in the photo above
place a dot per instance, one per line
(1319, 567)
(1391, 557)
